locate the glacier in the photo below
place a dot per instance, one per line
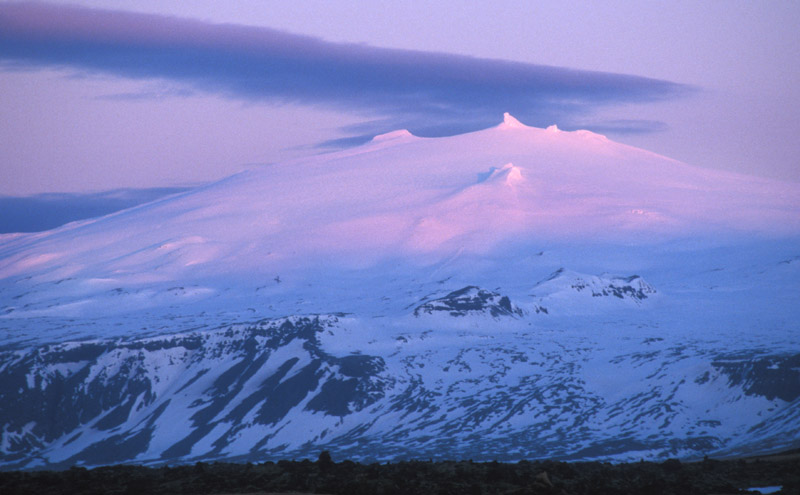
(513, 293)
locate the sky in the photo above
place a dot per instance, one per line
(146, 96)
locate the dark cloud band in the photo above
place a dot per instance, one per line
(430, 93)
(48, 211)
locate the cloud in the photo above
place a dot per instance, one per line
(428, 93)
(626, 126)
(345, 142)
(147, 95)
(48, 211)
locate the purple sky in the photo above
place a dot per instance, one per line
(99, 100)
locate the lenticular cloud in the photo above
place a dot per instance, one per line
(432, 93)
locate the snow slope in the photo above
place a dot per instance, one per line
(509, 293)
(402, 196)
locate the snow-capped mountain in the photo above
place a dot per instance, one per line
(505, 294)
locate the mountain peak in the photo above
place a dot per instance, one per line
(508, 174)
(510, 121)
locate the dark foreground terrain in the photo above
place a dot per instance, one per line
(418, 477)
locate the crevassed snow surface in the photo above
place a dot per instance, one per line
(510, 293)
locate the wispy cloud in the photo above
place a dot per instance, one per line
(429, 93)
(626, 126)
(159, 94)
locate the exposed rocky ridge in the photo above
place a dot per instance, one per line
(470, 300)
(274, 389)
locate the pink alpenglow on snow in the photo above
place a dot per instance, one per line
(402, 196)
